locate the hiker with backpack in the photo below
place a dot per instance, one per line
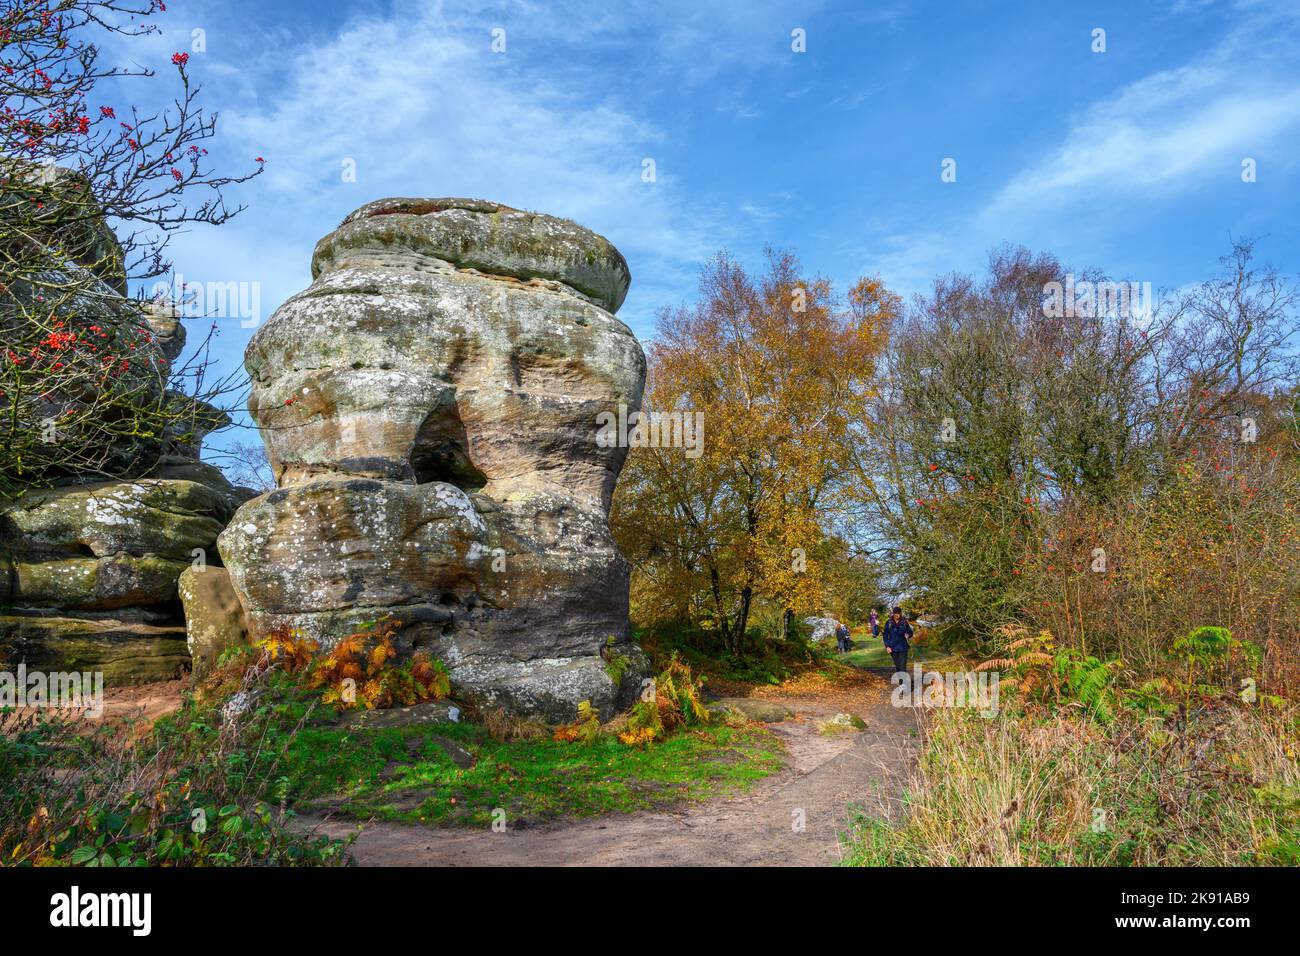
(897, 633)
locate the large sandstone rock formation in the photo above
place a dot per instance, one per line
(429, 409)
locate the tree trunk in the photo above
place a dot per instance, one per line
(741, 621)
(723, 627)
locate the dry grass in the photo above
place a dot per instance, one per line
(1066, 791)
(503, 728)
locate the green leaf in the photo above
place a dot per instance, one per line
(84, 854)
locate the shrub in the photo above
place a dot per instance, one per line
(676, 703)
(1083, 772)
(1220, 790)
(1044, 675)
(583, 730)
(362, 670)
(677, 692)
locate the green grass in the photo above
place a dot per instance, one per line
(404, 774)
(102, 799)
(408, 774)
(868, 651)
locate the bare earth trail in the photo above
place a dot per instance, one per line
(825, 779)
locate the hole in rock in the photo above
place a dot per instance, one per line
(440, 451)
(165, 614)
(425, 636)
(429, 635)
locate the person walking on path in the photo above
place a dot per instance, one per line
(897, 633)
(843, 638)
(875, 623)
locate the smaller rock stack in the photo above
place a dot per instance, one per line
(89, 574)
(89, 569)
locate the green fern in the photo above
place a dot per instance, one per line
(616, 666)
(1205, 644)
(1207, 649)
(1089, 681)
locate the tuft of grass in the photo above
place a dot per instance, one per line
(841, 724)
(502, 727)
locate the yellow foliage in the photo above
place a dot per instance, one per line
(637, 738)
(675, 703)
(585, 729)
(289, 649)
(780, 372)
(361, 670)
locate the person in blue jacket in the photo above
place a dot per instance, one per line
(897, 632)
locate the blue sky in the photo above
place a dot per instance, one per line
(1127, 160)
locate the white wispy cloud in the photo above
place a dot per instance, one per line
(1169, 132)
(415, 98)
(1177, 132)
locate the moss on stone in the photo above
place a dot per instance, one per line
(125, 652)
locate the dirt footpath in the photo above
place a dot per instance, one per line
(824, 780)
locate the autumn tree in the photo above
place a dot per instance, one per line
(1118, 476)
(780, 369)
(990, 409)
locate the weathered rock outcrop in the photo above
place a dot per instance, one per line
(88, 567)
(88, 573)
(429, 408)
(129, 646)
(821, 628)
